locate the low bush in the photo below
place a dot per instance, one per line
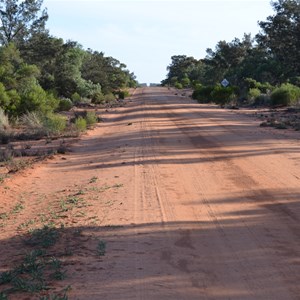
(203, 94)
(185, 82)
(223, 95)
(109, 98)
(98, 98)
(50, 124)
(286, 94)
(80, 124)
(253, 94)
(54, 124)
(65, 104)
(91, 118)
(76, 98)
(178, 85)
(123, 94)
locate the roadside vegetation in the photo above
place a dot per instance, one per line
(261, 71)
(49, 88)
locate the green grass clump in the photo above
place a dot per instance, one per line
(91, 118)
(80, 124)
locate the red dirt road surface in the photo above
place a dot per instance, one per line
(185, 201)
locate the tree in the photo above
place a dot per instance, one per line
(43, 50)
(280, 35)
(180, 67)
(19, 20)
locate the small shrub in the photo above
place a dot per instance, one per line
(222, 95)
(80, 124)
(203, 94)
(254, 93)
(54, 124)
(178, 85)
(91, 118)
(286, 94)
(109, 98)
(65, 104)
(123, 94)
(185, 82)
(98, 98)
(76, 98)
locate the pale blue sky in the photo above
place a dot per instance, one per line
(145, 34)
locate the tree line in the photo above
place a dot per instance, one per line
(263, 69)
(41, 72)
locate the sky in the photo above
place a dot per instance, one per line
(144, 34)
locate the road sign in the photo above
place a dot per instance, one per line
(225, 82)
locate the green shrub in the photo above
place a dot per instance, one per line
(123, 94)
(178, 85)
(223, 95)
(253, 84)
(97, 98)
(253, 93)
(203, 94)
(80, 124)
(34, 98)
(54, 124)
(109, 98)
(286, 94)
(14, 103)
(65, 104)
(76, 98)
(91, 118)
(185, 82)
(4, 98)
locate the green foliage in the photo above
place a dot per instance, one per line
(44, 237)
(203, 94)
(110, 97)
(253, 94)
(4, 98)
(185, 82)
(280, 34)
(76, 98)
(54, 124)
(178, 85)
(286, 94)
(49, 124)
(65, 104)
(98, 98)
(123, 94)
(223, 95)
(80, 124)
(91, 118)
(19, 20)
(34, 98)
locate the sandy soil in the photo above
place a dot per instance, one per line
(190, 202)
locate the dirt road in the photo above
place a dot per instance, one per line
(185, 201)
